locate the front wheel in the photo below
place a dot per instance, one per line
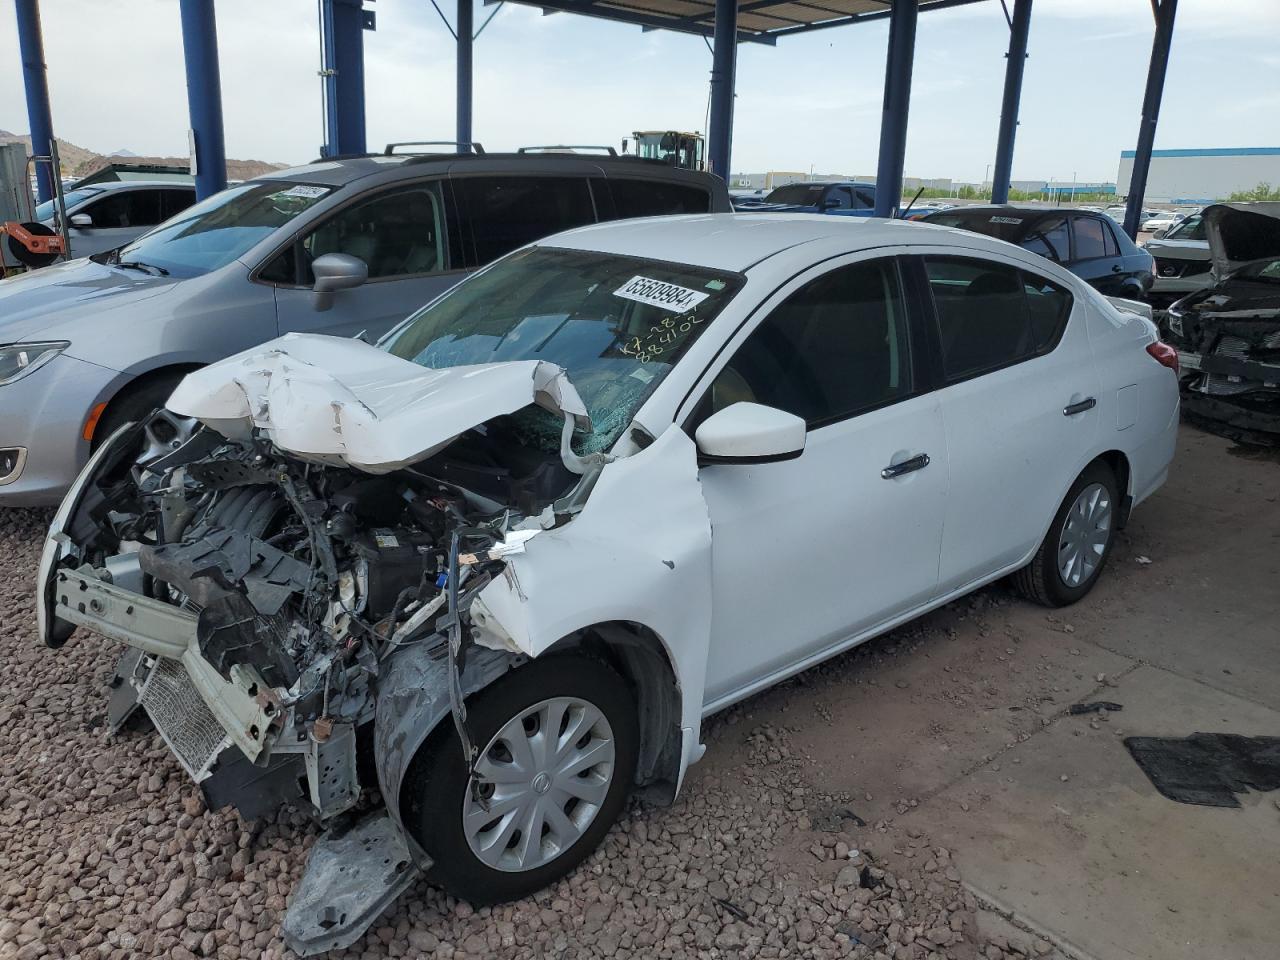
(1075, 549)
(557, 740)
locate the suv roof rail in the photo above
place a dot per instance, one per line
(568, 148)
(343, 156)
(463, 147)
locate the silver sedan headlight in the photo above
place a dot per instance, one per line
(19, 359)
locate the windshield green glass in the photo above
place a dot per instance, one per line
(616, 324)
(71, 198)
(1191, 228)
(220, 228)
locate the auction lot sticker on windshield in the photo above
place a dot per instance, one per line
(303, 190)
(659, 293)
(1013, 220)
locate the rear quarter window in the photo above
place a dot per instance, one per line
(654, 198)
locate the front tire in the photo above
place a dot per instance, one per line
(557, 740)
(1075, 550)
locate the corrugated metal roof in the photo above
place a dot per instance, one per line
(758, 20)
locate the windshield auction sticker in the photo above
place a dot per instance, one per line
(658, 293)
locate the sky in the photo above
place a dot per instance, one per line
(811, 103)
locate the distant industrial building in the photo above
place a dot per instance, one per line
(780, 178)
(1202, 176)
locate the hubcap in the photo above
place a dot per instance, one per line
(538, 784)
(1084, 535)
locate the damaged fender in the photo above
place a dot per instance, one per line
(413, 697)
(645, 524)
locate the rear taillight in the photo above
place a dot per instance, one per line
(1164, 355)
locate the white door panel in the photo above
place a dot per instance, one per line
(809, 551)
(1012, 454)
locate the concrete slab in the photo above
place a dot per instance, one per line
(1066, 831)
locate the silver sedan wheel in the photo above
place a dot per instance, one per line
(1084, 535)
(538, 784)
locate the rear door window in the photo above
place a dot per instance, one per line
(1089, 240)
(173, 202)
(1050, 238)
(126, 208)
(653, 198)
(504, 213)
(991, 315)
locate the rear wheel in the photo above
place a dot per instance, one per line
(1075, 550)
(557, 743)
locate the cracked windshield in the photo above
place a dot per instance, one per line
(616, 324)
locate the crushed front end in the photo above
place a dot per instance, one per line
(262, 594)
(1228, 342)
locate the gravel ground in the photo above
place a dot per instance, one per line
(107, 851)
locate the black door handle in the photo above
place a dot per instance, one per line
(1073, 408)
(906, 466)
(1117, 268)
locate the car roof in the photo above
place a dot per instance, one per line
(134, 184)
(343, 170)
(995, 209)
(739, 241)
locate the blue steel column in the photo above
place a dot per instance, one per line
(343, 23)
(1150, 113)
(466, 38)
(724, 66)
(204, 95)
(897, 104)
(1019, 28)
(35, 79)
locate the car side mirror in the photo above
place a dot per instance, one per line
(81, 220)
(338, 271)
(750, 433)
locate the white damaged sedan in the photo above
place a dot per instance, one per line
(496, 570)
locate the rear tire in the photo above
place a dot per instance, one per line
(1075, 550)
(478, 841)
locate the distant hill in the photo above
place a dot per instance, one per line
(80, 162)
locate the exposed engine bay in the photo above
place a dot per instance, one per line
(317, 552)
(298, 578)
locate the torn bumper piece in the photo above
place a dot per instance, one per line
(353, 874)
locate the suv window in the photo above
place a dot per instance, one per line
(866, 199)
(1050, 238)
(508, 212)
(173, 202)
(653, 198)
(991, 315)
(126, 208)
(1089, 242)
(397, 234)
(836, 347)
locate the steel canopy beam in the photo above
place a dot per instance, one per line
(724, 61)
(35, 80)
(897, 103)
(204, 95)
(342, 26)
(1019, 28)
(1165, 12)
(465, 30)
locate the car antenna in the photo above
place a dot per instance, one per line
(903, 214)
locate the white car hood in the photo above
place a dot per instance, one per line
(339, 401)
